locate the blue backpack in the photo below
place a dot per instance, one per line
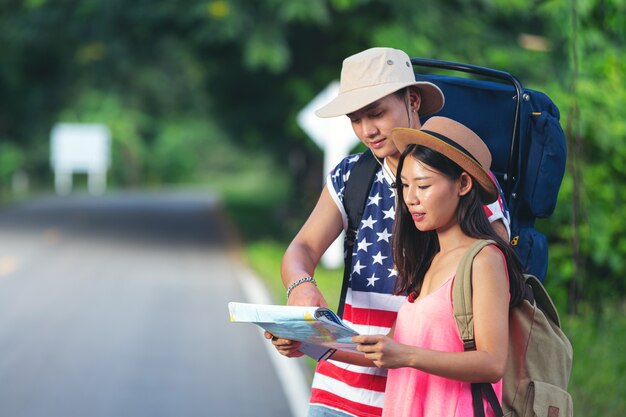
(522, 130)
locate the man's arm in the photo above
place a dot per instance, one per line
(301, 258)
(501, 229)
(305, 251)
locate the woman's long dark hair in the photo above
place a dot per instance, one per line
(413, 250)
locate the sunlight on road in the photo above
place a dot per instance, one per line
(52, 235)
(8, 264)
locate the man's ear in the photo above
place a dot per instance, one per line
(415, 99)
(465, 183)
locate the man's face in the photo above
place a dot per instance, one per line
(373, 123)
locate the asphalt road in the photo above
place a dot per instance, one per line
(116, 306)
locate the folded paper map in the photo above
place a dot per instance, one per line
(318, 326)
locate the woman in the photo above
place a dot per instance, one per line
(443, 181)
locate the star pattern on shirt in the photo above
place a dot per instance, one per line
(369, 267)
(384, 235)
(390, 214)
(369, 222)
(336, 175)
(374, 200)
(363, 245)
(371, 280)
(357, 267)
(393, 272)
(378, 258)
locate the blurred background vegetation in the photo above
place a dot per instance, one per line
(205, 93)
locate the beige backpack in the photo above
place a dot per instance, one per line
(540, 355)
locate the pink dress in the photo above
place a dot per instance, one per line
(429, 323)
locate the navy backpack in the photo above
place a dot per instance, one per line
(522, 130)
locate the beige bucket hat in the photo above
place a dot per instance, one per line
(373, 74)
(457, 142)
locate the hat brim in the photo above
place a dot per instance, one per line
(432, 98)
(403, 137)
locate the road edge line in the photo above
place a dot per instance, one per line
(289, 371)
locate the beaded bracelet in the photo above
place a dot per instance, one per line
(298, 282)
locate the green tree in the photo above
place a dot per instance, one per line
(170, 76)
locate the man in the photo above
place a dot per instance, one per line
(378, 92)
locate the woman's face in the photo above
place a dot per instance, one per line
(373, 124)
(431, 197)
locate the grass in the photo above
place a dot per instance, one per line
(265, 257)
(598, 381)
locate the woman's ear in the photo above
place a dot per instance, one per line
(465, 183)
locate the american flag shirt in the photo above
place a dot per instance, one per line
(370, 305)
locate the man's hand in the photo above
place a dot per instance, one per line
(285, 347)
(306, 294)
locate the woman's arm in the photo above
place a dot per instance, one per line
(359, 358)
(491, 318)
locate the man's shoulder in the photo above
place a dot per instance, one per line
(342, 171)
(351, 160)
(362, 164)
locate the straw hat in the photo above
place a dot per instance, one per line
(457, 142)
(373, 74)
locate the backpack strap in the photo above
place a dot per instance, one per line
(462, 292)
(464, 316)
(483, 388)
(540, 297)
(354, 199)
(357, 191)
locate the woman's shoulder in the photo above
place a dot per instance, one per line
(490, 261)
(491, 250)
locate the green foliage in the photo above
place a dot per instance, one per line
(11, 169)
(125, 123)
(586, 244)
(598, 381)
(267, 48)
(11, 160)
(181, 147)
(189, 90)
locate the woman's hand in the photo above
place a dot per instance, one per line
(383, 351)
(285, 347)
